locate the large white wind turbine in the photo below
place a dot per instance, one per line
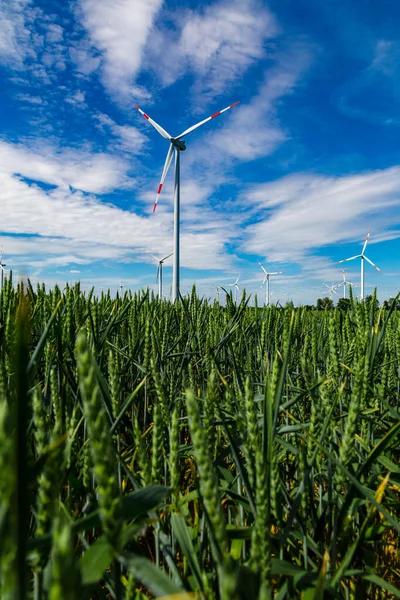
(235, 285)
(266, 279)
(363, 257)
(2, 265)
(160, 262)
(177, 145)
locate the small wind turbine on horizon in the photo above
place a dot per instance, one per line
(332, 289)
(266, 279)
(2, 265)
(159, 280)
(236, 287)
(217, 294)
(344, 283)
(177, 145)
(363, 257)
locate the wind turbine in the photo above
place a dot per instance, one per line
(332, 289)
(2, 265)
(236, 287)
(266, 279)
(217, 294)
(344, 283)
(363, 257)
(177, 145)
(160, 262)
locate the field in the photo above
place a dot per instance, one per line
(196, 451)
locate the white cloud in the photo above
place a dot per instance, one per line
(119, 30)
(216, 44)
(77, 99)
(253, 130)
(127, 138)
(15, 16)
(221, 44)
(75, 228)
(303, 212)
(82, 170)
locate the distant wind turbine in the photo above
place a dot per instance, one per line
(159, 279)
(2, 265)
(344, 283)
(235, 285)
(217, 294)
(332, 289)
(363, 257)
(177, 145)
(266, 279)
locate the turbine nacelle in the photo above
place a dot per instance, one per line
(179, 144)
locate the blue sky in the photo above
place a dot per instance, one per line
(294, 176)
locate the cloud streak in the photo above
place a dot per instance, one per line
(301, 213)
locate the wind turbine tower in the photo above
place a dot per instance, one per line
(362, 257)
(345, 282)
(2, 265)
(266, 279)
(177, 145)
(159, 279)
(235, 285)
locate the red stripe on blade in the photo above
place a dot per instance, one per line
(146, 116)
(234, 104)
(215, 114)
(154, 207)
(159, 188)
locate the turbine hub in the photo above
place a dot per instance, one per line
(180, 144)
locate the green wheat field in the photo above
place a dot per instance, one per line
(152, 450)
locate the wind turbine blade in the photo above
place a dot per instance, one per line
(155, 257)
(158, 272)
(276, 273)
(160, 129)
(205, 121)
(366, 242)
(263, 268)
(371, 263)
(347, 259)
(165, 257)
(167, 163)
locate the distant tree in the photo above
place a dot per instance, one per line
(324, 303)
(344, 303)
(308, 307)
(388, 303)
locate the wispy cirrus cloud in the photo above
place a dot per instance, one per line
(216, 45)
(374, 94)
(301, 213)
(125, 138)
(64, 167)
